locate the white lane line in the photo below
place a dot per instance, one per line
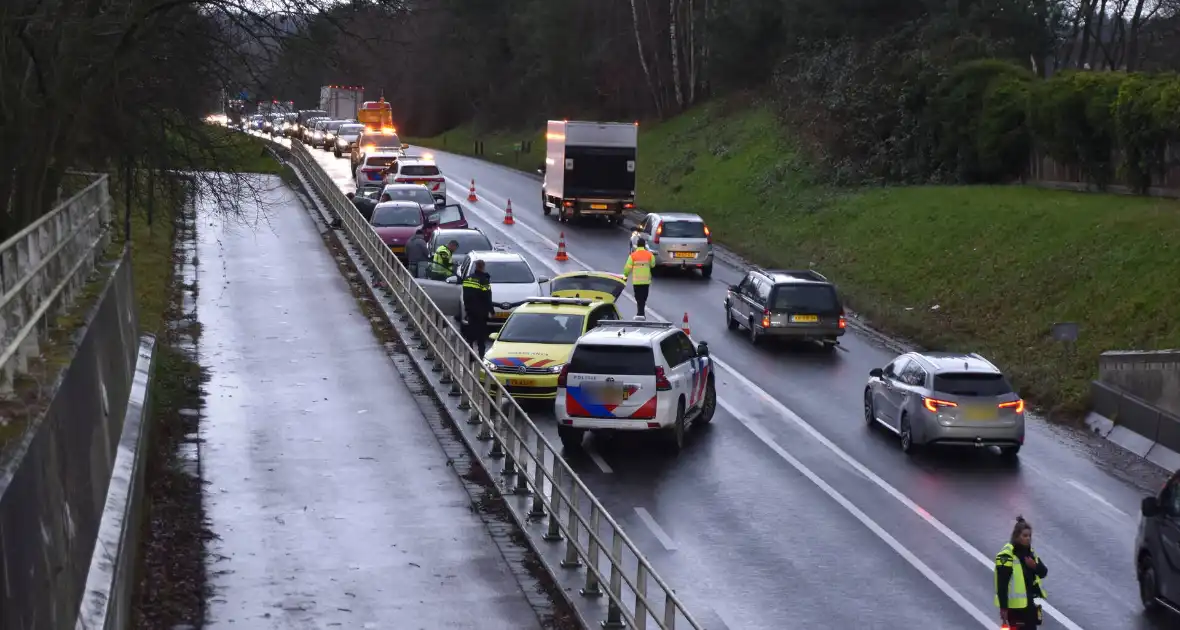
(655, 528)
(599, 461)
(916, 562)
(790, 417)
(1097, 497)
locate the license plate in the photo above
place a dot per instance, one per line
(501, 315)
(520, 382)
(980, 413)
(598, 206)
(684, 255)
(804, 319)
(397, 250)
(421, 182)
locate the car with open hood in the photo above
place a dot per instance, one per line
(593, 285)
(535, 343)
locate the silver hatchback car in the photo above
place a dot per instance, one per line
(677, 239)
(945, 398)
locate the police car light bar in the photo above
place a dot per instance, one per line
(559, 300)
(634, 323)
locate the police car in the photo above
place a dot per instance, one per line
(635, 376)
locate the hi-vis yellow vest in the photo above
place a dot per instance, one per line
(1017, 589)
(640, 262)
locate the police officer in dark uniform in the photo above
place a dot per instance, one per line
(478, 306)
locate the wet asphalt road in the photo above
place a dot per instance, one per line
(789, 508)
(330, 496)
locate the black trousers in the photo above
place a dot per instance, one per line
(476, 332)
(641, 298)
(1023, 617)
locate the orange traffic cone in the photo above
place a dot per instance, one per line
(684, 326)
(508, 220)
(561, 255)
(471, 192)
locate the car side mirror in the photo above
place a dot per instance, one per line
(1150, 507)
(876, 372)
(494, 336)
(405, 146)
(543, 280)
(453, 280)
(703, 349)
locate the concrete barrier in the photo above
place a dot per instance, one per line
(1135, 424)
(53, 491)
(110, 583)
(1152, 375)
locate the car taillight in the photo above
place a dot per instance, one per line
(1015, 405)
(402, 180)
(766, 318)
(934, 404)
(708, 235)
(567, 204)
(843, 322)
(659, 231)
(628, 206)
(565, 372)
(662, 382)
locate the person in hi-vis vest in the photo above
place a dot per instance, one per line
(1018, 579)
(639, 266)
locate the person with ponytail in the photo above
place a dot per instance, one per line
(1018, 579)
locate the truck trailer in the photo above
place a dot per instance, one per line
(589, 169)
(340, 101)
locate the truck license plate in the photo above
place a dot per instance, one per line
(598, 206)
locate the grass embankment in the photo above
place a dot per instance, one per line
(501, 147)
(216, 148)
(1000, 263)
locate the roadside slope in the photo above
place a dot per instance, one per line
(980, 268)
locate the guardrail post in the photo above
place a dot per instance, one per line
(508, 440)
(592, 589)
(614, 616)
(669, 612)
(497, 425)
(571, 560)
(469, 378)
(445, 361)
(485, 419)
(538, 509)
(640, 597)
(522, 461)
(553, 533)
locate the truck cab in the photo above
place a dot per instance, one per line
(589, 169)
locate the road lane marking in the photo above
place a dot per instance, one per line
(761, 433)
(1097, 497)
(598, 460)
(655, 528)
(789, 416)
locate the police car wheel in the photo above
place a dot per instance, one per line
(1148, 587)
(675, 433)
(571, 438)
(709, 407)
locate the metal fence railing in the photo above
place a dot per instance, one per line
(594, 541)
(41, 270)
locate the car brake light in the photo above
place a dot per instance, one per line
(659, 231)
(401, 180)
(708, 235)
(766, 318)
(934, 404)
(568, 204)
(843, 322)
(628, 206)
(1015, 405)
(565, 371)
(662, 382)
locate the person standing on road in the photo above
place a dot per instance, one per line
(639, 266)
(417, 252)
(442, 259)
(478, 306)
(1018, 579)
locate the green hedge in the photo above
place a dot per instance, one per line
(989, 114)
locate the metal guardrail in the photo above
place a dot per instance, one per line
(42, 267)
(593, 539)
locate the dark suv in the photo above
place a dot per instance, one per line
(799, 304)
(1157, 549)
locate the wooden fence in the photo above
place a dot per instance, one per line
(1045, 172)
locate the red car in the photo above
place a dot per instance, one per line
(396, 221)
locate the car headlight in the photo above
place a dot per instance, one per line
(555, 369)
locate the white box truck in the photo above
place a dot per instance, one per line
(341, 102)
(589, 169)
